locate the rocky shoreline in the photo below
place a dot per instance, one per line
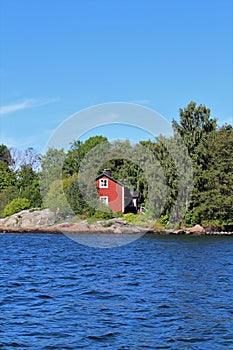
(45, 221)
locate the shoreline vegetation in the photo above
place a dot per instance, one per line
(183, 180)
(45, 221)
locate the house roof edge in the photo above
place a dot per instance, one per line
(111, 178)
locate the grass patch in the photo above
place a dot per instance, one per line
(136, 219)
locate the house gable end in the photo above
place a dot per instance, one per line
(110, 178)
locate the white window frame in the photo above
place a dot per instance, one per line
(104, 200)
(103, 183)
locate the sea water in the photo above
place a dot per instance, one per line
(159, 292)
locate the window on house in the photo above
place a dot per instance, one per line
(104, 200)
(104, 183)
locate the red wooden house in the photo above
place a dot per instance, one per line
(115, 194)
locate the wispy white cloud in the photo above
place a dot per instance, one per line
(37, 141)
(19, 142)
(26, 104)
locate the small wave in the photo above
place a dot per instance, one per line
(44, 296)
(102, 337)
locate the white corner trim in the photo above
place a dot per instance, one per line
(123, 199)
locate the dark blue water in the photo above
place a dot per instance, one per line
(156, 293)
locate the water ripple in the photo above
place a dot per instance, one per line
(156, 293)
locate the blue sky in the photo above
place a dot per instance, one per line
(59, 57)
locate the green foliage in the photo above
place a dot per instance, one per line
(215, 224)
(195, 124)
(5, 155)
(104, 214)
(213, 184)
(77, 153)
(7, 176)
(129, 217)
(160, 171)
(164, 220)
(136, 219)
(28, 185)
(137, 167)
(162, 154)
(74, 195)
(56, 199)
(15, 206)
(51, 169)
(157, 226)
(211, 152)
(6, 196)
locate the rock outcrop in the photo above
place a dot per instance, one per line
(28, 219)
(46, 221)
(197, 230)
(112, 225)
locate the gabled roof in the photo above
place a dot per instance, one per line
(111, 178)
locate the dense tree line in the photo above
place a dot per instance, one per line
(53, 180)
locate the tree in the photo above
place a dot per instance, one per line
(77, 153)
(28, 185)
(213, 194)
(162, 154)
(195, 128)
(21, 158)
(5, 155)
(6, 196)
(194, 125)
(51, 169)
(15, 206)
(7, 176)
(74, 196)
(56, 199)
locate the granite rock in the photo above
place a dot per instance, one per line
(26, 219)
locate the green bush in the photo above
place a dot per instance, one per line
(211, 223)
(130, 217)
(136, 219)
(157, 226)
(164, 219)
(99, 215)
(15, 206)
(56, 199)
(102, 212)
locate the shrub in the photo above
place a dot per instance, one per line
(157, 226)
(129, 217)
(136, 219)
(56, 200)
(211, 223)
(99, 215)
(15, 206)
(164, 220)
